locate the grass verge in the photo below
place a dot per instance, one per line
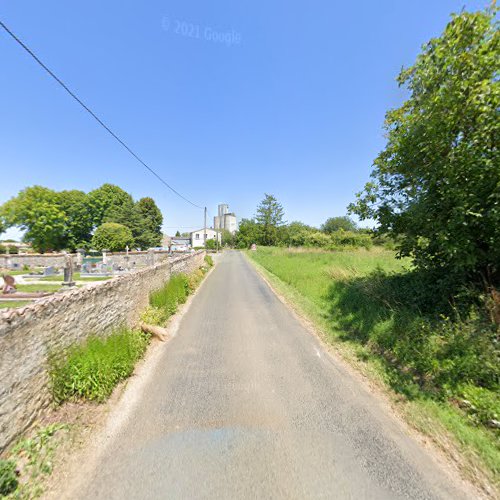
(398, 347)
(163, 303)
(92, 370)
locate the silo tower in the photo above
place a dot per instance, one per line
(223, 210)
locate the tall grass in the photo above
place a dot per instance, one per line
(164, 302)
(91, 370)
(169, 296)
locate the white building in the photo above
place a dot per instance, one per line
(197, 237)
(225, 219)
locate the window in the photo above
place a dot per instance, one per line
(197, 236)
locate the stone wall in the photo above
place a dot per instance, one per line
(32, 260)
(30, 333)
(136, 259)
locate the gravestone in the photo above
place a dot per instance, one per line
(80, 254)
(151, 257)
(49, 271)
(68, 271)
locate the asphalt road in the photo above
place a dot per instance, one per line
(245, 403)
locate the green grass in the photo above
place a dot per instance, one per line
(91, 371)
(368, 304)
(164, 302)
(76, 277)
(16, 273)
(14, 303)
(38, 288)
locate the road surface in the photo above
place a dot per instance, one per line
(245, 403)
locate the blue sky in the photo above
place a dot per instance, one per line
(226, 100)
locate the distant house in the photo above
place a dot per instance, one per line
(197, 237)
(180, 244)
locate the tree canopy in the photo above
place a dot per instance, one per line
(37, 210)
(436, 185)
(66, 220)
(269, 218)
(113, 237)
(336, 223)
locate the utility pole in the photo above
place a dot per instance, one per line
(205, 230)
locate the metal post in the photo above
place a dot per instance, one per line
(205, 230)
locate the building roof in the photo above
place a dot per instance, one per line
(208, 229)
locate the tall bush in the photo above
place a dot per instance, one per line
(437, 183)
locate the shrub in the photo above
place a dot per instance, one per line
(3, 249)
(93, 369)
(113, 237)
(482, 405)
(209, 260)
(210, 244)
(154, 316)
(395, 315)
(8, 477)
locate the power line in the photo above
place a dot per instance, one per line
(86, 108)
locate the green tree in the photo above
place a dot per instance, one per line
(152, 220)
(177, 234)
(228, 238)
(143, 218)
(335, 223)
(37, 211)
(436, 186)
(269, 218)
(111, 236)
(248, 233)
(106, 199)
(78, 231)
(296, 233)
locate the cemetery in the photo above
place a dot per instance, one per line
(27, 278)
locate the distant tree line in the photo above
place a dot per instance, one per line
(268, 228)
(105, 218)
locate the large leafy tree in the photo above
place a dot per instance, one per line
(141, 219)
(107, 199)
(336, 223)
(79, 222)
(436, 186)
(111, 236)
(269, 218)
(38, 212)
